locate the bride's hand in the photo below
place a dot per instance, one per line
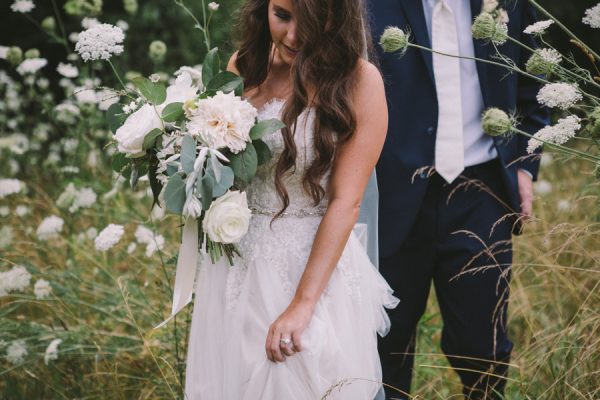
(284, 338)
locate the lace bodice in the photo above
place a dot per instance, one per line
(262, 196)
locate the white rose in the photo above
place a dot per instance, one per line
(130, 136)
(182, 90)
(228, 218)
(489, 5)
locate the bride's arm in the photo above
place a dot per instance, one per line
(350, 174)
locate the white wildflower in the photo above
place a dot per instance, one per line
(66, 197)
(16, 351)
(213, 6)
(131, 248)
(4, 211)
(74, 37)
(31, 65)
(154, 78)
(550, 56)
(546, 160)
(21, 210)
(592, 16)
(52, 351)
(153, 242)
(561, 133)
(542, 187)
(222, 121)
(3, 52)
(561, 95)
(70, 169)
(91, 233)
(67, 112)
(539, 27)
(88, 22)
(42, 289)
(100, 42)
(123, 25)
(67, 70)
(563, 205)
(22, 6)
(50, 227)
(10, 186)
(16, 279)
(109, 237)
(6, 238)
(85, 95)
(84, 198)
(106, 98)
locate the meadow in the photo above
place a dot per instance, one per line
(77, 322)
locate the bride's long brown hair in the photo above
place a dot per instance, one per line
(331, 43)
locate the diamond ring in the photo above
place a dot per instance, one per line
(285, 341)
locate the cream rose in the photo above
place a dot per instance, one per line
(228, 218)
(130, 136)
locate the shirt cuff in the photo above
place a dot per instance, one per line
(527, 172)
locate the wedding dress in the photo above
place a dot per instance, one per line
(235, 306)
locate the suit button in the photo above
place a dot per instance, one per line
(423, 175)
(430, 130)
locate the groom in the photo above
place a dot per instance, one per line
(450, 196)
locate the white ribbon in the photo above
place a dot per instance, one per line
(187, 260)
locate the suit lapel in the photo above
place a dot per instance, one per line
(416, 17)
(481, 49)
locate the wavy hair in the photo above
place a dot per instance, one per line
(331, 37)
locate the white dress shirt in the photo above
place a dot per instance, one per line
(478, 147)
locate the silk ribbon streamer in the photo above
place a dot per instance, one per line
(186, 269)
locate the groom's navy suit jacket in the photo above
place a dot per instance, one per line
(413, 111)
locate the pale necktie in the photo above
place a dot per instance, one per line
(449, 153)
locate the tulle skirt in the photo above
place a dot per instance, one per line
(235, 306)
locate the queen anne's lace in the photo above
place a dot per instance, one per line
(100, 42)
(592, 16)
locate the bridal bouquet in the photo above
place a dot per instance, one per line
(195, 140)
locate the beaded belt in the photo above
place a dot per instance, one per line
(312, 212)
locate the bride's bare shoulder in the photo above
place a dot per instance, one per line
(369, 85)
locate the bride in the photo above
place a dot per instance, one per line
(297, 317)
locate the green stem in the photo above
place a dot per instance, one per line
(61, 26)
(117, 74)
(582, 155)
(563, 27)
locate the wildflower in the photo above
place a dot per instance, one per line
(592, 16)
(52, 351)
(42, 289)
(131, 6)
(31, 65)
(16, 279)
(100, 42)
(131, 248)
(154, 78)
(157, 51)
(22, 6)
(496, 122)
(14, 55)
(393, 39)
(22, 210)
(4, 211)
(66, 112)
(16, 351)
(32, 53)
(10, 186)
(486, 27)
(6, 237)
(539, 27)
(123, 25)
(561, 133)
(561, 95)
(212, 6)
(109, 237)
(543, 61)
(153, 242)
(563, 205)
(50, 227)
(87, 22)
(67, 70)
(542, 187)
(84, 198)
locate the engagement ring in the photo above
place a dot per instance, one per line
(285, 341)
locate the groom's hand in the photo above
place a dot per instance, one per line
(525, 193)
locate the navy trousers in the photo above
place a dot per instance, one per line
(461, 244)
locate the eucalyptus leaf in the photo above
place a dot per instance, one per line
(172, 112)
(205, 187)
(175, 194)
(150, 138)
(225, 82)
(244, 164)
(188, 153)
(115, 117)
(265, 127)
(155, 93)
(119, 161)
(262, 151)
(225, 183)
(210, 66)
(172, 168)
